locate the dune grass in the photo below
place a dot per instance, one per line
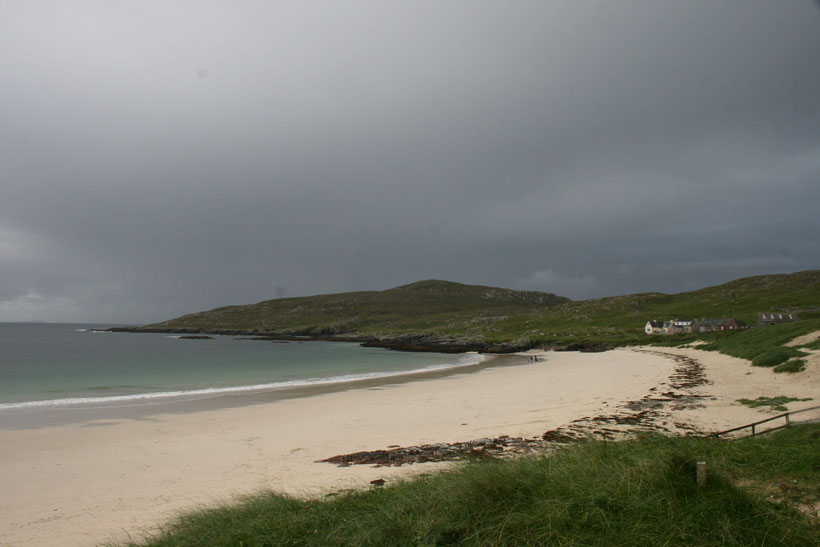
(795, 365)
(774, 357)
(813, 345)
(640, 492)
(764, 346)
(776, 403)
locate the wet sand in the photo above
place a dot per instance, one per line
(34, 418)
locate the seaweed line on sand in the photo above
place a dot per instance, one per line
(651, 413)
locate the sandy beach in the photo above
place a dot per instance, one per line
(89, 482)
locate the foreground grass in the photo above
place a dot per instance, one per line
(640, 492)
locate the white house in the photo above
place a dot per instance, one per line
(675, 326)
(656, 327)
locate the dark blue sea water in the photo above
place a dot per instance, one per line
(63, 365)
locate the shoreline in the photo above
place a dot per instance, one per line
(97, 481)
(36, 417)
(416, 342)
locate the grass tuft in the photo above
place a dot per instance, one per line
(776, 403)
(795, 365)
(772, 358)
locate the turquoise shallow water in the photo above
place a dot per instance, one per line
(56, 365)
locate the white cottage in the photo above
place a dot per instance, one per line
(656, 327)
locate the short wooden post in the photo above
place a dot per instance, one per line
(753, 430)
(788, 421)
(701, 473)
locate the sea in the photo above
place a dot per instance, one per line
(62, 366)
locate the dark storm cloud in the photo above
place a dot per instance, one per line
(159, 158)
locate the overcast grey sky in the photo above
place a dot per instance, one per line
(165, 157)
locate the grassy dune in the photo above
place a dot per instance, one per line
(642, 492)
(764, 347)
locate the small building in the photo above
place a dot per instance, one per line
(683, 326)
(709, 324)
(674, 326)
(656, 327)
(768, 319)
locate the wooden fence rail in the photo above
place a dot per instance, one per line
(786, 415)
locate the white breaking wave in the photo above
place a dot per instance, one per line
(146, 398)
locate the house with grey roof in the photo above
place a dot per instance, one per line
(710, 324)
(768, 319)
(683, 326)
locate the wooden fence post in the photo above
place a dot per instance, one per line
(701, 473)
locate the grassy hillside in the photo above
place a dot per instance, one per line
(620, 319)
(759, 491)
(425, 306)
(491, 315)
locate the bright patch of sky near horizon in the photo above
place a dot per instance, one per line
(161, 158)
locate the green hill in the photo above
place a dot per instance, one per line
(429, 307)
(433, 313)
(620, 319)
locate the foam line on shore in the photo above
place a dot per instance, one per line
(467, 359)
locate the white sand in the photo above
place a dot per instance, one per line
(732, 379)
(84, 484)
(805, 339)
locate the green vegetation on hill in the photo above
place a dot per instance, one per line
(640, 492)
(426, 306)
(442, 309)
(764, 347)
(621, 319)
